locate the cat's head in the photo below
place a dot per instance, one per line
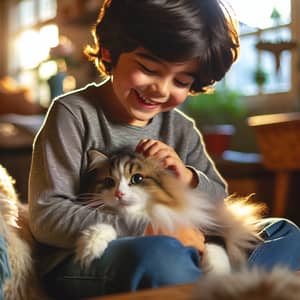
(133, 183)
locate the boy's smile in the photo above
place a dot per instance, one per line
(144, 100)
(145, 85)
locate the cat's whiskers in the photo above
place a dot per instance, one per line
(77, 209)
(86, 201)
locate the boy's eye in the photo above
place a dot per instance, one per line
(182, 84)
(136, 178)
(109, 182)
(146, 69)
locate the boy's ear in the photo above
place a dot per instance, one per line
(105, 55)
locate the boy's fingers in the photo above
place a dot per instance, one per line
(153, 150)
(139, 146)
(148, 147)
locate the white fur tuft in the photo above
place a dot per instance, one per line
(24, 283)
(198, 211)
(9, 210)
(215, 260)
(93, 241)
(258, 284)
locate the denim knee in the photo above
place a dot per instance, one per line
(153, 261)
(280, 227)
(281, 245)
(128, 264)
(4, 261)
(4, 265)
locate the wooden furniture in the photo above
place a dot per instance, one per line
(244, 173)
(16, 137)
(176, 292)
(278, 137)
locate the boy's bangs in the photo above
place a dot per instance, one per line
(174, 49)
(174, 33)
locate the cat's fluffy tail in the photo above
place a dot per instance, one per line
(258, 284)
(238, 224)
(235, 220)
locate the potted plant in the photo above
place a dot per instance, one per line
(216, 115)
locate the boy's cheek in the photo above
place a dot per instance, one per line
(174, 101)
(137, 78)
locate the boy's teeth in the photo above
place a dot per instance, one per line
(145, 100)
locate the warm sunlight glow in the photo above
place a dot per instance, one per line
(32, 51)
(69, 83)
(35, 45)
(49, 35)
(242, 210)
(257, 13)
(47, 69)
(245, 209)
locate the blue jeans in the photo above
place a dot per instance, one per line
(4, 265)
(133, 263)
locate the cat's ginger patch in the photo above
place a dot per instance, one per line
(188, 236)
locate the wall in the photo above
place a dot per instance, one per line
(4, 37)
(80, 35)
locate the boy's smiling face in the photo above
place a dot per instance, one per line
(145, 85)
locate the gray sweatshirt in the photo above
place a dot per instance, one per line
(76, 123)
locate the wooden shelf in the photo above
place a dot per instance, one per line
(78, 12)
(84, 19)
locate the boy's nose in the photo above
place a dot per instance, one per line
(160, 88)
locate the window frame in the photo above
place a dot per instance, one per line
(293, 27)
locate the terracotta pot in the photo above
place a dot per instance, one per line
(217, 138)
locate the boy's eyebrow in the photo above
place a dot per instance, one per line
(156, 59)
(149, 57)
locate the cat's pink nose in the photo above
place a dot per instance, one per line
(119, 194)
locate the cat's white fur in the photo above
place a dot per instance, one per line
(215, 259)
(212, 218)
(23, 283)
(255, 284)
(93, 242)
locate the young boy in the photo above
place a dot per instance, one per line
(152, 53)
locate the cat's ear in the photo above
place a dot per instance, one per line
(96, 158)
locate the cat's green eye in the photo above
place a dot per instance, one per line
(136, 178)
(109, 182)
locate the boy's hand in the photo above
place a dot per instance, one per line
(168, 158)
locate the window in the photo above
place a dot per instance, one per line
(33, 34)
(260, 71)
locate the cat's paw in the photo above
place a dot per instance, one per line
(92, 242)
(215, 259)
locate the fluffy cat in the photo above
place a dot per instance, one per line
(255, 284)
(138, 187)
(24, 283)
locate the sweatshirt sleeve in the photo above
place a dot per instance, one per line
(210, 180)
(56, 217)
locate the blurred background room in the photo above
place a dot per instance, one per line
(250, 121)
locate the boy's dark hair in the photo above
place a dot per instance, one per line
(173, 30)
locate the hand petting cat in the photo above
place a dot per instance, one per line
(168, 158)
